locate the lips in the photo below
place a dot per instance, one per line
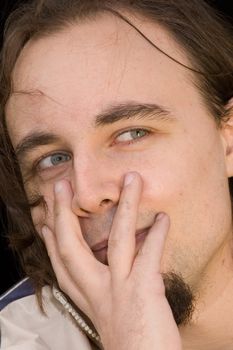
(100, 249)
(99, 246)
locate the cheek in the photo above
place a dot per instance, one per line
(43, 214)
(185, 172)
(192, 188)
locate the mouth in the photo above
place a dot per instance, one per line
(100, 249)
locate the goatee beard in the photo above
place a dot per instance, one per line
(180, 298)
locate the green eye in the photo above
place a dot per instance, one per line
(131, 135)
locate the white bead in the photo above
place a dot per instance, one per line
(61, 298)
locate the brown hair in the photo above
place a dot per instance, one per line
(205, 36)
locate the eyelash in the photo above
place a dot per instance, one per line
(137, 139)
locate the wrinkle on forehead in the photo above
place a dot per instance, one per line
(90, 36)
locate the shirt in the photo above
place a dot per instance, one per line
(23, 326)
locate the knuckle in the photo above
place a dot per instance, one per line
(126, 204)
(64, 254)
(113, 243)
(57, 211)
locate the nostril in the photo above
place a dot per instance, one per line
(105, 202)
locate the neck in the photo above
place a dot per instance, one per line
(211, 325)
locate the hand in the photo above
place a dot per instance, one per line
(125, 300)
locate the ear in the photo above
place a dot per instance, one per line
(227, 136)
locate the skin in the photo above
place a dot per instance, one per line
(182, 169)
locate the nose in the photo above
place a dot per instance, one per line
(95, 185)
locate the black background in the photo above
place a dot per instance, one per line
(9, 265)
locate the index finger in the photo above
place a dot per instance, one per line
(122, 241)
(73, 249)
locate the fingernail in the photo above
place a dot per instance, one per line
(160, 216)
(58, 187)
(129, 178)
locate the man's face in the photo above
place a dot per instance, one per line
(177, 149)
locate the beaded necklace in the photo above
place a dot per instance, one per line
(80, 321)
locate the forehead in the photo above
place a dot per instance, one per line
(92, 64)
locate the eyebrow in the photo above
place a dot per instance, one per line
(125, 111)
(111, 115)
(34, 140)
